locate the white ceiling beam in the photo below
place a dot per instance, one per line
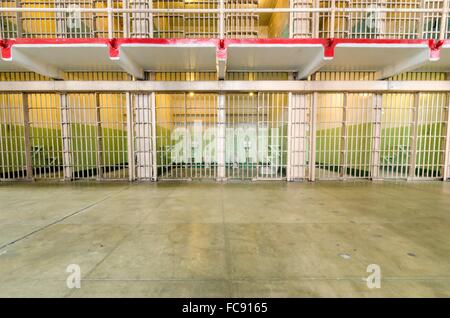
(313, 66)
(406, 65)
(221, 68)
(129, 65)
(226, 86)
(35, 65)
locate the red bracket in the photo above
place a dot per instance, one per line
(435, 48)
(114, 48)
(329, 46)
(5, 46)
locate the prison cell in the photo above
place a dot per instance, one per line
(397, 119)
(328, 135)
(96, 141)
(202, 25)
(304, 24)
(185, 136)
(385, 24)
(344, 135)
(60, 24)
(430, 134)
(44, 115)
(431, 22)
(413, 135)
(241, 25)
(400, 24)
(8, 21)
(14, 164)
(256, 136)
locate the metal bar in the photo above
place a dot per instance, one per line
(290, 150)
(221, 19)
(312, 140)
(126, 19)
(315, 20)
(413, 138)
(26, 123)
(66, 137)
(296, 152)
(226, 86)
(60, 21)
(376, 137)
(99, 139)
(343, 143)
(19, 21)
(221, 123)
(110, 19)
(333, 18)
(444, 20)
(153, 141)
(445, 172)
(130, 137)
(143, 136)
(291, 29)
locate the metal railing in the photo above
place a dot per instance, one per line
(384, 19)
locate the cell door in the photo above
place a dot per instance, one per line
(256, 136)
(186, 136)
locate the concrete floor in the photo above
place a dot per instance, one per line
(220, 240)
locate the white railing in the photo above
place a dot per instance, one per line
(409, 19)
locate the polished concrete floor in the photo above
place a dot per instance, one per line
(221, 240)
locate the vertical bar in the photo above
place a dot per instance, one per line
(26, 122)
(66, 138)
(421, 28)
(376, 137)
(443, 29)
(312, 136)
(290, 145)
(413, 137)
(446, 148)
(221, 20)
(153, 141)
(333, 17)
(19, 20)
(99, 137)
(60, 21)
(315, 20)
(143, 133)
(221, 122)
(259, 118)
(130, 137)
(126, 20)
(296, 137)
(291, 35)
(343, 145)
(110, 19)
(150, 25)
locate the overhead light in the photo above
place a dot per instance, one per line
(191, 94)
(251, 93)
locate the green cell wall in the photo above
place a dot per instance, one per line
(49, 143)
